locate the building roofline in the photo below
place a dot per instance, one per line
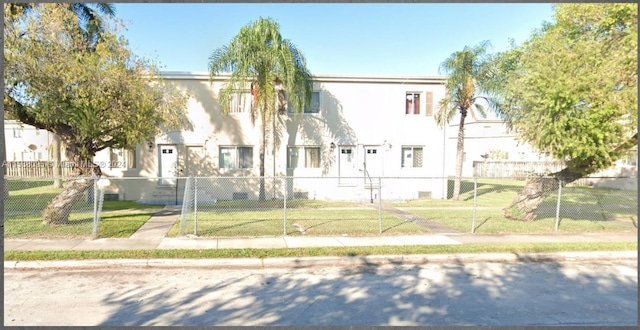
(404, 79)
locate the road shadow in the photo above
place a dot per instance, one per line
(451, 294)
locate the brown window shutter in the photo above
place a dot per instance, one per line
(428, 96)
(408, 104)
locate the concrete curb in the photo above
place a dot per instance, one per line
(306, 262)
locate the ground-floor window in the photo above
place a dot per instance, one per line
(303, 157)
(235, 157)
(122, 158)
(412, 157)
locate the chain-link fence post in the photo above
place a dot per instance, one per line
(187, 201)
(380, 204)
(558, 204)
(475, 202)
(195, 206)
(94, 233)
(284, 208)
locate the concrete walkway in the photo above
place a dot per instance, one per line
(152, 235)
(431, 225)
(159, 224)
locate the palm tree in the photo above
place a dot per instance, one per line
(273, 67)
(466, 71)
(90, 16)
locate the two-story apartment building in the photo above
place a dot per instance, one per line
(356, 127)
(25, 142)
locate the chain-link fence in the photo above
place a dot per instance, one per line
(320, 206)
(42, 208)
(353, 206)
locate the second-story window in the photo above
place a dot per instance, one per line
(417, 103)
(313, 107)
(413, 103)
(240, 102)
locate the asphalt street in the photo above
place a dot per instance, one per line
(580, 293)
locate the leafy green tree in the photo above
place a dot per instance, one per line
(98, 98)
(466, 74)
(90, 22)
(571, 91)
(272, 67)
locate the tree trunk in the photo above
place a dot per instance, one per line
(59, 208)
(459, 156)
(535, 191)
(262, 193)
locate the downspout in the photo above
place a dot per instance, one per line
(444, 153)
(273, 153)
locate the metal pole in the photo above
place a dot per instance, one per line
(558, 204)
(380, 204)
(284, 225)
(177, 180)
(195, 206)
(95, 208)
(475, 201)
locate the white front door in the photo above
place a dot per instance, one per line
(168, 165)
(347, 170)
(373, 160)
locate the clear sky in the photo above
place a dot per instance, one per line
(398, 39)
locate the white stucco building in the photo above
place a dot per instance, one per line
(356, 129)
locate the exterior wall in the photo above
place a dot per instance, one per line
(486, 136)
(357, 112)
(26, 143)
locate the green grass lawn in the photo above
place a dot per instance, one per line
(582, 209)
(27, 199)
(347, 251)
(277, 204)
(318, 222)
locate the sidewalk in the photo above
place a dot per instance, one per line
(152, 235)
(166, 243)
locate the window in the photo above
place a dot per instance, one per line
(123, 158)
(311, 157)
(17, 133)
(412, 157)
(413, 103)
(313, 107)
(413, 106)
(236, 157)
(240, 102)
